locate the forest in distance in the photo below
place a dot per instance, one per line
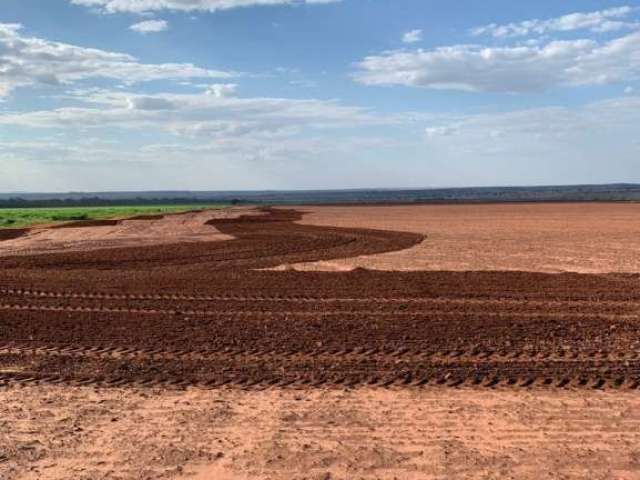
(562, 193)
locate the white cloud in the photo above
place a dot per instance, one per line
(628, 90)
(146, 6)
(213, 142)
(27, 61)
(446, 131)
(617, 117)
(193, 114)
(187, 141)
(510, 69)
(552, 145)
(217, 164)
(221, 90)
(600, 21)
(149, 103)
(183, 141)
(413, 36)
(150, 26)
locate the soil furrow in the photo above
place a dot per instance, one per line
(468, 353)
(115, 372)
(80, 295)
(404, 302)
(306, 314)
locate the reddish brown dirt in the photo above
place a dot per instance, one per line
(62, 433)
(369, 375)
(87, 224)
(147, 217)
(189, 227)
(550, 238)
(12, 233)
(202, 314)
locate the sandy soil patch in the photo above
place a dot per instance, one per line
(170, 228)
(585, 238)
(54, 432)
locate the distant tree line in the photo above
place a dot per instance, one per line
(569, 193)
(18, 202)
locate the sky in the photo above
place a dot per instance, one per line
(113, 95)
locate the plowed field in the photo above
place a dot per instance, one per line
(213, 314)
(213, 346)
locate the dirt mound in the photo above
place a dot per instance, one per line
(265, 239)
(133, 232)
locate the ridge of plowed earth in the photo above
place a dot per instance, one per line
(12, 233)
(206, 314)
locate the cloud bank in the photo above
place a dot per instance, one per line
(27, 61)
(601, 21)
(147, 6)
(510, 69)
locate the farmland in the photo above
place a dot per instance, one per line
(238, 315)
(25, 217)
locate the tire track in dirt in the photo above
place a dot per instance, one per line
(464, 353)
(505, 379)
(306, 314)
(294, 299)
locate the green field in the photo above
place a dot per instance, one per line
(23, 217)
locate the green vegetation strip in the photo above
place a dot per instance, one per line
(24, 217)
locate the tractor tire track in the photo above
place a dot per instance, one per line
(295, 299)
(306, 314)
(464, 353)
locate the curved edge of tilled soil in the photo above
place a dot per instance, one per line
(266, 239)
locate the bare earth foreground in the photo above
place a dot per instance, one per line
(208, 356)
(79, 433)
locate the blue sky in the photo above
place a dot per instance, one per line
(287, 94)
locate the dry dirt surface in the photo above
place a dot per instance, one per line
(347, 374)
(62, 433)
(97, 234)
(571, 237)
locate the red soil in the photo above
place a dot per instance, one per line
(208, 314)
(486, 374)
(12, 233)
(548, 237)
(87, 223)
(132, 232)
